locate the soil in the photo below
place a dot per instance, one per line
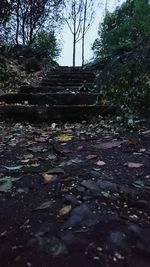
(74, 195)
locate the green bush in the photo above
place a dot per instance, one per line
(122, 29)
(45, 45)
(122, 55)
(125, 80)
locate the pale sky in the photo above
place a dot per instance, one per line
(66, 55)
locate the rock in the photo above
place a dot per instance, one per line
(117, 240)
(32, 64)
(82, 216)
(141, 237)
(98, 187)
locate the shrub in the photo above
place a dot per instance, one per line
(45, 45)
(125, 80)
(122, 55)
(122, 29)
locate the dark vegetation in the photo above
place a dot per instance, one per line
(28, 42)
(122, 54)
(29, 47)
(74, 194)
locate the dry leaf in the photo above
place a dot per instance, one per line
(64, 137)
(48, 177)
(79, 147)
(91, 157)
(53, 126)
(45, 205)
(146, 132)
(13, 168)
(134, 165)
(100, 163)
(35, 165)
(65, 210)
(132, 142)
(28, 156)
(24, 161)
(109, 145)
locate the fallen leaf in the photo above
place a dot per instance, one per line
(65, 210)
(100, 163)
(109, 145)
(91, 157)
(79, 147)
(6, 183)
(48, 177)
(35, 165)
(36, 149)
(132, 142)
(25, 160)
(13, 168)
(45, 205)
(56, 171)
(106, 194)
(142, 150)
(64, 137)
(28, 156)
(146, 132)
(138, 184)
(70, 162)
(53, 126)
(51, 157)
(53, 246)
(134, 165)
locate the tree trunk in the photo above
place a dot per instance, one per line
(83, 46)
(23, 31)
(18, 23)
(83, 34)
(74, 43)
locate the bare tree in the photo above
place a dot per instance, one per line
(27, 17)
(88, 18)
(73, 11)
(79, 15)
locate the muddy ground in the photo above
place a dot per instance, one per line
(74, 195)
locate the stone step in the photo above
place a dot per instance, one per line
(26, 89)
(50, 99)
(64, 82)
(71, 76)
(66, 69)
(62, 113)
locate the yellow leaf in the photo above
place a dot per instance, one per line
(64, 137)
(48, 177)
(65, 210)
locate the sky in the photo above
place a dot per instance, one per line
(67, 38)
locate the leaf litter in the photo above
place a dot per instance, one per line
(96, 195)
(6, 183)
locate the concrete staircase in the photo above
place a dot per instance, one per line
(65, 94)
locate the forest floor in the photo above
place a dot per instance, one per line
(74, 195)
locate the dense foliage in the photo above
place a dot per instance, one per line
(45, 45)
(25, 44)
(21, 20)
(123, 57)
(122, 29)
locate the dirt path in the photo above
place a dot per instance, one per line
(74, 196)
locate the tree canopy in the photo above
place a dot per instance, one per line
(21, 20)
(121, 29)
